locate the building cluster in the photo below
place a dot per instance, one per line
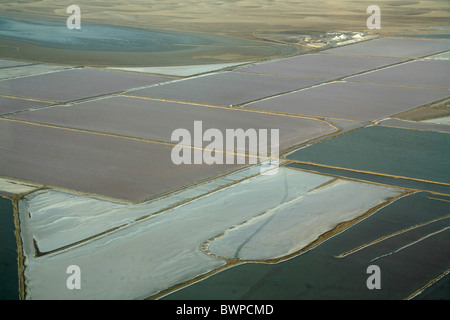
(332, 39)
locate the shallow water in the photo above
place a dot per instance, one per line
(100, 45)
(95, 37)
(9, 289)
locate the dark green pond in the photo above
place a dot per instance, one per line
(8, 253)
(399, 152)
(319, 274)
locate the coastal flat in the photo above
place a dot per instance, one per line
(28, 70)
(11, 63)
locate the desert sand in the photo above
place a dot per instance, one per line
(244, 16)
(276, 21)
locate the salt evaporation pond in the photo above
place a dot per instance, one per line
(8, 253)
(321, 274)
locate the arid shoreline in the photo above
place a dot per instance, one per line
(274, 23)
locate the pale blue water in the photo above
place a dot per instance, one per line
(96, 37)
(110, 45)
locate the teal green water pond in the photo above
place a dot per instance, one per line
(8, 253)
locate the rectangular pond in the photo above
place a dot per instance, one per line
(8, 252)
(319, 66)
(74, 84)
(421, 73)
(157, 120)
(354, 101)
(225, 89)
(414, 154)
(121, 168)
(394, 47)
